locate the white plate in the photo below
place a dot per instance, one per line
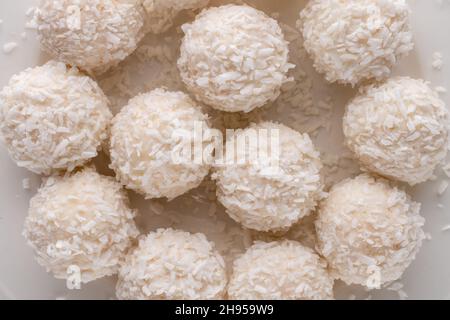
(20, 275)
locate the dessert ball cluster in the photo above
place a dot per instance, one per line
(353, 41)
(398, 129)
(234, 58)
(171, 264)
(53, 118)
(277, 188)
(96, 35)
(83, 221)
(369, 231)
(283, 270)
(149, 141)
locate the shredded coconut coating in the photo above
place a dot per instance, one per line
(53, 118)
(144, 137)
(161, 13)
(93, 35)
(353, 41)
(369, 231)
(172, 265)
(262, 197)
(398, 129)
(84, 221)
(234, 58)
(283, 270)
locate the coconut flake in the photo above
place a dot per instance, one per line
(160, 14)
(442, 188)
(26, 184)
(9, 47)
(438, 61)
(440, 90)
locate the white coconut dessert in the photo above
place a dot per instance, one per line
(172, 265)
(234, 58)
(353, 41)
(283, 270)
(53, 118)
(398, 129)
(94, 35)
(276, 189)
(148, 138)
(80, 225)
(160, 14)
(369, 231)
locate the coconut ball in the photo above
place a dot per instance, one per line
(398, 129)
(273, 181)
(161, 13)
(172, 265)
(81, 221)
(94, 35)
(352, 41)
(234, 58)
(53, 118)
(283, 270)
(369, 231)
(148, 135)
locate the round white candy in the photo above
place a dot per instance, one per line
(148, 138)
(353, 41)
(283, 270)
(53, 118)
(369, 231)
(398, 129)
(270, 188)
(161, 13)
(93, 35)
(174, 265)
(234, 58)
(80, 226)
